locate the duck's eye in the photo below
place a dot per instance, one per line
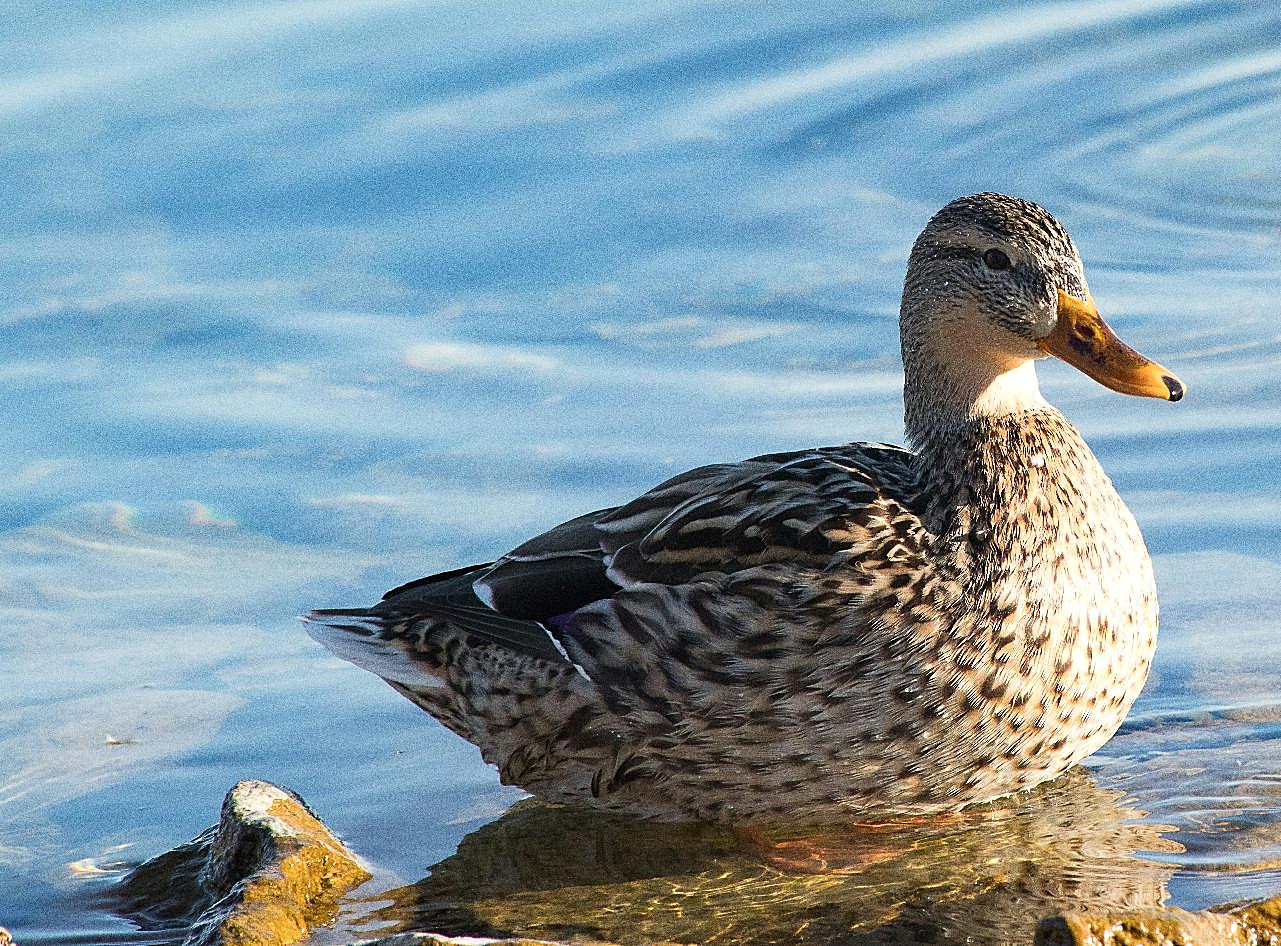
(996, 259)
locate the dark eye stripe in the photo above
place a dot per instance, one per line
(955, 252)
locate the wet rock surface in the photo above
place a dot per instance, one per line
(1255, 925)
(267, 874)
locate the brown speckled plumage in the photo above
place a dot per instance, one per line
(843, 631)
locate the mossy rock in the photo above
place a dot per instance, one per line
(267, 874)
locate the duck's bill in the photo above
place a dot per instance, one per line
(1084, 341)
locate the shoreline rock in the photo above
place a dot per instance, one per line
(1258, 924)
(265, 876)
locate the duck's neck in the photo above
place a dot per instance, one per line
(943, 395)
(980, 428)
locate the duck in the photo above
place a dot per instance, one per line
(844, 632)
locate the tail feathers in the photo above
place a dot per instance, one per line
(356, 635)
(404, 637)
(356, 620)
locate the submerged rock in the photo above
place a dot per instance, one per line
(267, 874)
(1257, 925)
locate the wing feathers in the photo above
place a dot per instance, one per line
(812, 507)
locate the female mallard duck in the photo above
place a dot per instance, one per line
(853, 630)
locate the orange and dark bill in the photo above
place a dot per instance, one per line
(1084, 341)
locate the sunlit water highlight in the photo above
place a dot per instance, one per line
(307, 298)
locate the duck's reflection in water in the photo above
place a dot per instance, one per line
(984, 876)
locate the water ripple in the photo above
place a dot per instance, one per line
(344, 291)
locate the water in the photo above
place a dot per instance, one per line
(305, 299)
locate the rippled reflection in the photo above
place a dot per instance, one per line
(990, 875)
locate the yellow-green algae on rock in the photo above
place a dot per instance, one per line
(1256, 925)
(267, 874)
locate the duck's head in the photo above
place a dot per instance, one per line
(993, 283)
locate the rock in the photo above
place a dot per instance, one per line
(1155, 927)
(1257, 925)
(267, 874)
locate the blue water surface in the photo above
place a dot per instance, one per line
(304, 299)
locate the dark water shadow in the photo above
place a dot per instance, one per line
(986, 876)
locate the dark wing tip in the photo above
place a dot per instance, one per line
(436, 579)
